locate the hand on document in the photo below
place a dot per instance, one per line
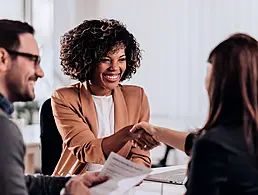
(123, 175)
(80, 184)
(143, 136)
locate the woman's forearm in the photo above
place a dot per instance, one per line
(116, 141)
(171, 137)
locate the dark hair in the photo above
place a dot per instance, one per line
(83, 47)
(10, 31)
(233, 88)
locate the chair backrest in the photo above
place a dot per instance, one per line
(51, 140)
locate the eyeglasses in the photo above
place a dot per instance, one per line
(35, 58)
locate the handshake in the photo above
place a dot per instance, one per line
(144, 136)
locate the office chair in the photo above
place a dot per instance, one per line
(51, 140)
(163, 161)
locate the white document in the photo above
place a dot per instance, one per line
(123, 175)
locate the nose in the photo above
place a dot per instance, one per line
(114, 66)
(39, 72)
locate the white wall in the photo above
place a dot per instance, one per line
(67, 14)
(176, 36)
(12, 9)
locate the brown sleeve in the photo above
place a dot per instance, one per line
(137, 155)
(75, 131)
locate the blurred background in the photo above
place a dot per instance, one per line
(176, 37)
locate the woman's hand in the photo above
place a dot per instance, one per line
(140, 138)
(144, 136)
(168, 136)
(150, 129)
(116, 141)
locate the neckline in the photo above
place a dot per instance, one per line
(102, 96)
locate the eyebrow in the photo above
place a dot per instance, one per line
(119, 56)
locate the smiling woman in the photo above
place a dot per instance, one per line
(94, 116)
(109, 71)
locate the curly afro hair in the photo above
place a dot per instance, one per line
(83, 47)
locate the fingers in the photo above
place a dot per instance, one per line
(87, 182)
(134, 143)
(143, 125)
(135, 128)
(143, 134)
(93, 178)
(80, 184)
(151, 140)
(100, 180)
(144, 140)
(139, 139)
(76, 186)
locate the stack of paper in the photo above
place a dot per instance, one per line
(123, 175)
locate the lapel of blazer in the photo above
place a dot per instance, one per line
(120, 113)
(121, 117)
(88, 109)
(120, 109)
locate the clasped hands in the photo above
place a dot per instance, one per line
(144, 136)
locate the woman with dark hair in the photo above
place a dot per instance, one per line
(224, 159)
(94, 116)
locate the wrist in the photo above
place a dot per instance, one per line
(157, 133)
(126, 134)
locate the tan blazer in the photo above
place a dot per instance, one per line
(76, 119)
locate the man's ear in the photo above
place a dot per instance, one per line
(4, 60)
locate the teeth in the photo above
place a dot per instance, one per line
(112, 77)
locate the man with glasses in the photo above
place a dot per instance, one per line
(32, 57)
(19, 70)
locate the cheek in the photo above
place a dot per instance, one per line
(207, 80)
(27, 70)
(102, 67)
(16, 74)
(123, 66)
(208, 77)
(97, 78)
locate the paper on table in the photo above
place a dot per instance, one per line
(123, 175)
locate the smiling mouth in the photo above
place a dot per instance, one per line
(112, 77)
